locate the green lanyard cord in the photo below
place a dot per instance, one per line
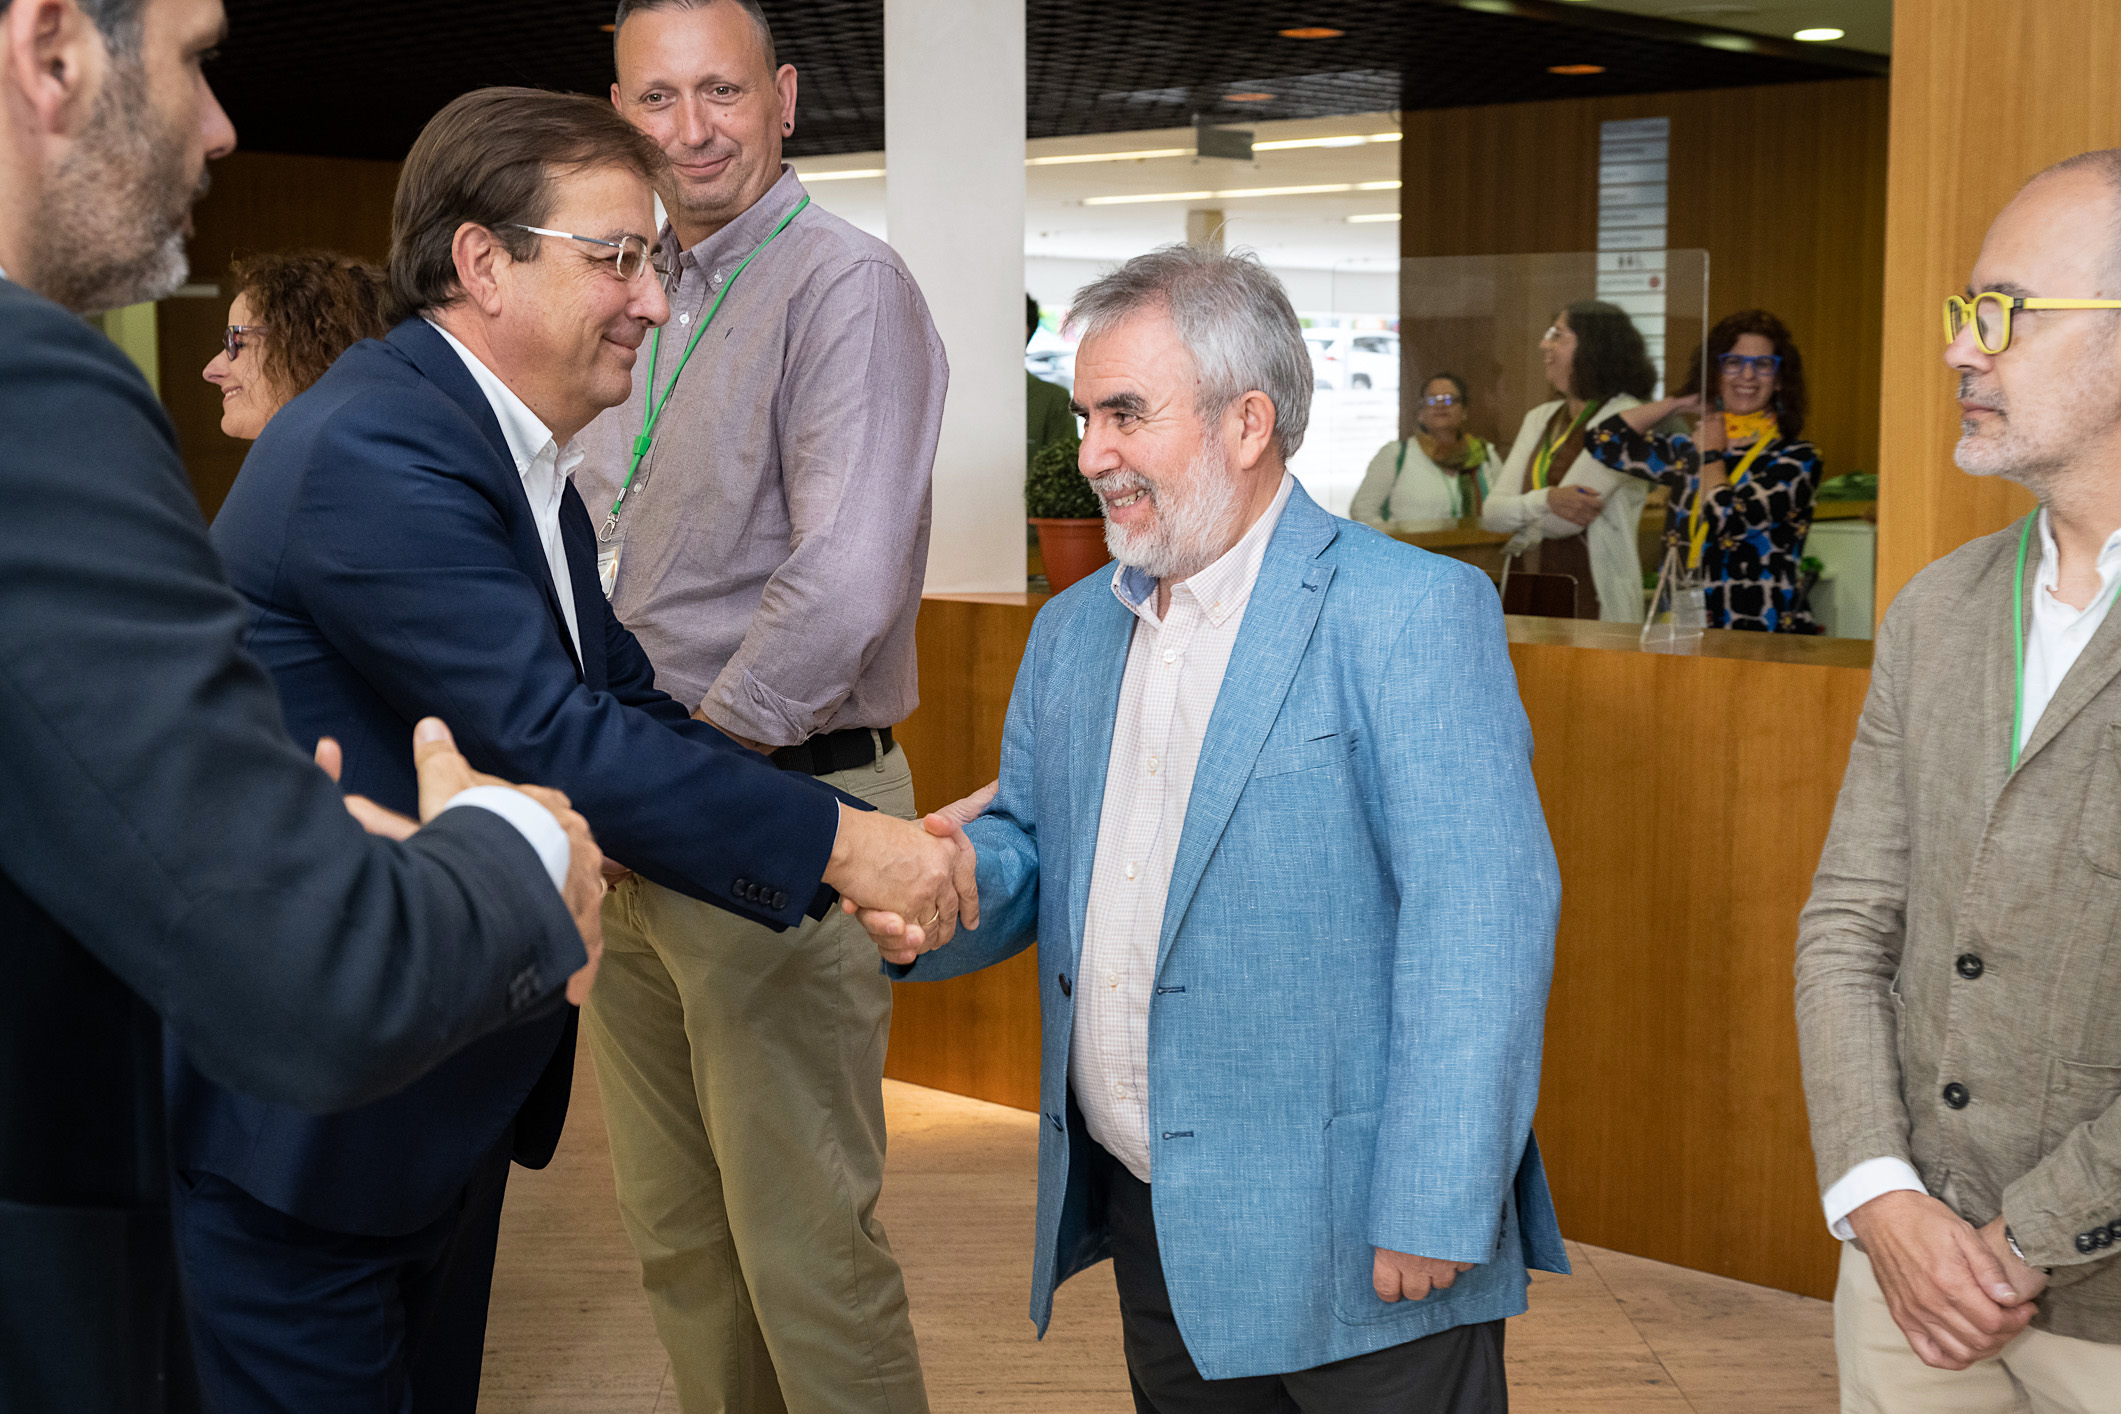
(653, 413)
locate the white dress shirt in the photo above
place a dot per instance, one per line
(543, 464)
(1175, 665)
(2053, 643)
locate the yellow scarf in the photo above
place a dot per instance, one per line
(1763, 430)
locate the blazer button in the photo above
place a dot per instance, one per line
(1969, 966)
(1066, 990)
(780, 899)
(2102, 1237)
(2085, 1245)
(1955, 1095)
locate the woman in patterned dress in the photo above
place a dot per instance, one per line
(1742, 484)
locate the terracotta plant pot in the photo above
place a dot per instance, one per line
(1072, 549)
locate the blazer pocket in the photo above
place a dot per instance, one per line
(2099, 823)
(1303, 756)
(2077, 1093)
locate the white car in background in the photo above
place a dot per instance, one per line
(1354, 358)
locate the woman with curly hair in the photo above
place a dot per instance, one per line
(291, 318)
(1576, 517)
(1742, 484)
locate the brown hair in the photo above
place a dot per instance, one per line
(314, 305)
(1611, 357)
(1789, 400)
(488, 160)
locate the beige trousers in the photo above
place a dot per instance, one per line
(742, 1077)
(2037, 1373)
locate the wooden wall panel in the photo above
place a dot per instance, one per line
(259, 202)
(1784, 186)
(1671, 1109)
(1983, 97)
(976, 1035)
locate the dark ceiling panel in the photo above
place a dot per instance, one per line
(359, 78)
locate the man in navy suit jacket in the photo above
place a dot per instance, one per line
(407, 543)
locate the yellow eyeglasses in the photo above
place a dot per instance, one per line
(1990, 314)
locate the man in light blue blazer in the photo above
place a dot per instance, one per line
(1266, 796)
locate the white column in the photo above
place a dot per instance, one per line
(954, 205)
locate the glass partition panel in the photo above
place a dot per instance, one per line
(1498, 324)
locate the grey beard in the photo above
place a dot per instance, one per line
(110, 231)
(1189, 528)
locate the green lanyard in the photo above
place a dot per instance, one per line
(2025, 535)
(654, 410)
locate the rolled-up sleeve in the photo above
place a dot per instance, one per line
(860, 409)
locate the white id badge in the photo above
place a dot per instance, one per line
(608, 565)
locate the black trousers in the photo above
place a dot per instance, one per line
(292, 1319)
(1457, 1371)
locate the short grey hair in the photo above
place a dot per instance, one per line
(629, 8)
(1232, 315)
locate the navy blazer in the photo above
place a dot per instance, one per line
(381, 538)
(170, 860)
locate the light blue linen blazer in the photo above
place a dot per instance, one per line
(1351, 982)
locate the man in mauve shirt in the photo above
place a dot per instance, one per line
(768, 551)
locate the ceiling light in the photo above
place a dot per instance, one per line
(1312, 32)
(609, 29)
(1346, 140)
(1573, 69)
(1239, 192)
(1248, 98)
(840, 176)
(1820, 35)
(1068, 158)
(1369, 216)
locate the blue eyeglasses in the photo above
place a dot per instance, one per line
(1758, 365)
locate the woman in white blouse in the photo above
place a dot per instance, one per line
(1439, 475)
(1579, 518)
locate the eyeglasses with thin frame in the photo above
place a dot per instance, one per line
(1990, 313)
(235, 336)
(634, 259)
(1758, 365)
(1442, 400)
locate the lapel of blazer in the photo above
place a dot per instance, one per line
(1098, 640)
(429, 352)
(1279, 618)
(2087, 677)
(579, 540)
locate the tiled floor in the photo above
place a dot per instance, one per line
(570, 1332)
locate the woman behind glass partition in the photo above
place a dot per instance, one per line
(1440, 474)
(1569, 514)
(1742, 485)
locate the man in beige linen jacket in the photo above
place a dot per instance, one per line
(1959, 965)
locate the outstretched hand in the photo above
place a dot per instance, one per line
(901, 941)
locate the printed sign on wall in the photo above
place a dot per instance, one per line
(1634, 172)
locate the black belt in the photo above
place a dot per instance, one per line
(834, 751)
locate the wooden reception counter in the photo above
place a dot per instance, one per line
(1688, 798)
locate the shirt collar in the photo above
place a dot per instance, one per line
(2051, 572)
(1221, 589)
(527, 437)
(737, 239)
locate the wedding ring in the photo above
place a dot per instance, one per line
(931, 922)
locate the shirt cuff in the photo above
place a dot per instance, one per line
(1859, 1185)
(532, 820)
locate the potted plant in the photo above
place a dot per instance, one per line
(1068, 514)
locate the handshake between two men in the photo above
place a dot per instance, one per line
(909, 884)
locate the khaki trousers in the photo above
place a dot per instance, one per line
(742, 1078)
(2037, 1373)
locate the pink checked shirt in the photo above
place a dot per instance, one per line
(1174, 672)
